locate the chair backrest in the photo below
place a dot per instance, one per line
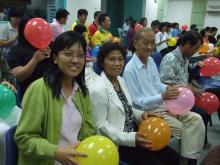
(157, 59)
(11, 148)
(120, 32)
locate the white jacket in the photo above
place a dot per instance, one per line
(109, 112)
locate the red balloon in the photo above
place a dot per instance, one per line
(38, 33)
(211, 67)
(138, 27)
(209, 102)
(184, 27)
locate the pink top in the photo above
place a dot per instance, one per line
(56, 28)
(71, 122)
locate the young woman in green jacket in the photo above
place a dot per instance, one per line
(57, 112)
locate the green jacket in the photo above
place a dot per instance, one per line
(38, 131)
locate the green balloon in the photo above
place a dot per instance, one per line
(7, 101)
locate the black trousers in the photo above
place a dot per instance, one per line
(205, 117)
(138, 156)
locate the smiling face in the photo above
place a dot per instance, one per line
(70, 61)
(145, 44)
(113, 63)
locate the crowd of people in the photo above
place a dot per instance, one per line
(59, 109)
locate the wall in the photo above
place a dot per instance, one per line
(73, 5)
(151, 11)
(133, 8)
(179, 11)
(212, 19)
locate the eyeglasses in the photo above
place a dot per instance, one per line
(76, 54)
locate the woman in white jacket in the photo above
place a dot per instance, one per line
(114, 115)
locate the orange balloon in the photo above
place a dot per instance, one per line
(116, 40)
(204, 48)
(156, 130)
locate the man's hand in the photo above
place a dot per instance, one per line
(171, 93)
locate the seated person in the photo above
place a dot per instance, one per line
(57, 110)
(114, 115)
(27, 63)
(175, 66)
(102, 35)
(148, 93)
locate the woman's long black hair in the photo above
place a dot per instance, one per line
(53, 75)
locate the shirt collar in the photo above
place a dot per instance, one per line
(103, 30)
(179, 55)
(138, 62)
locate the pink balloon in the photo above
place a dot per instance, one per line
(183, 104)
(138, 27)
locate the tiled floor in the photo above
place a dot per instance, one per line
(213, 135)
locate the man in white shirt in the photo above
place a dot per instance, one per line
(9, 32)
(148, 94)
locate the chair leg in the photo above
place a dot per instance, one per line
(210, 120)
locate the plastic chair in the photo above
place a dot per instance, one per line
(11, 148)
(122, 163)
(157, 59)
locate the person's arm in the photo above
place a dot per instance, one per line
(4, 43)
(100, 102)
(29, 133)
(137, 97)
(158, 39)
(21, 73)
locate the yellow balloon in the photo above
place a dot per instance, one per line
(116, 40)
(216, 51)
(100, 151)
(172, 41)
(156, 130)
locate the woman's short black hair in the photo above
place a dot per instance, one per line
(104, 51)
(53, 75)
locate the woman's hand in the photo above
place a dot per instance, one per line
(141, 142)
(66, 155)
(147, 115)
(9, 85)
